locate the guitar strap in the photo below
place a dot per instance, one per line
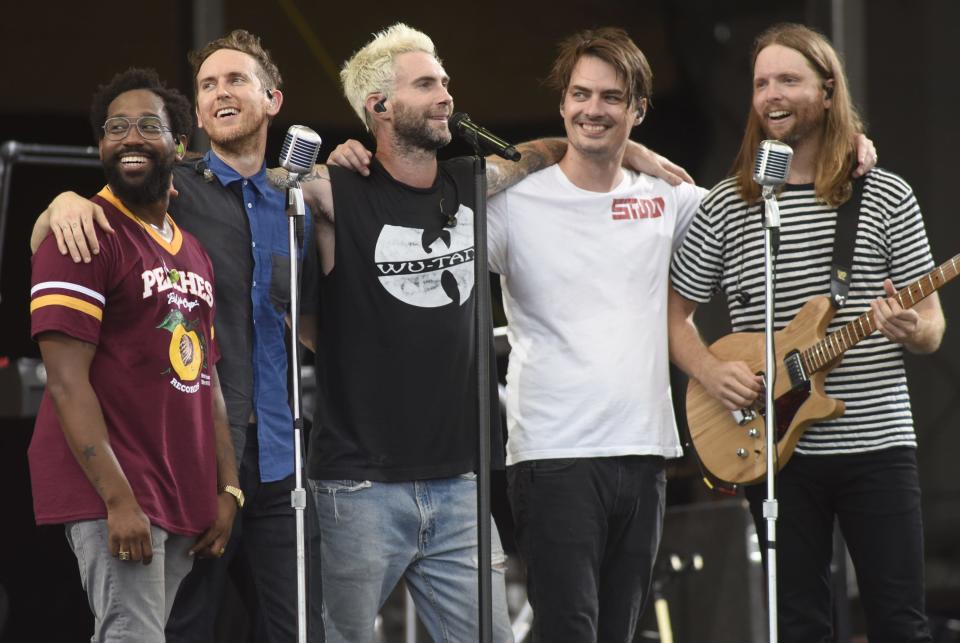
(844, 242)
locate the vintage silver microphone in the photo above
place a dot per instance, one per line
(299, 152)
(298, 156)
(772, 166)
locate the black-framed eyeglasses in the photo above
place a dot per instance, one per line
(150, 127)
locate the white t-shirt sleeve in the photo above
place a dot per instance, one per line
(497, 233)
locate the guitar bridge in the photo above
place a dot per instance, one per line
(743, 416)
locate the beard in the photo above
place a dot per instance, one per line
(414, 130)
(809, 120)
(153, 187)
(242, 136)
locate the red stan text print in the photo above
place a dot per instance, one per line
(626, 209)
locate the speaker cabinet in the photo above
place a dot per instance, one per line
(724, 600)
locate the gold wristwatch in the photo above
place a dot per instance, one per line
(236, 492)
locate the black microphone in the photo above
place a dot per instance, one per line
(773, 165)
(299, 152)
(462, 126)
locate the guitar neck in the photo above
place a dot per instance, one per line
(831, 347)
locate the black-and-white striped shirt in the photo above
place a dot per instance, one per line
(723, 252)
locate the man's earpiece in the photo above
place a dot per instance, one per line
(269, 95)
(379, 106)
(180, 149)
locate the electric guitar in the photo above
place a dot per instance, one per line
(732, 444)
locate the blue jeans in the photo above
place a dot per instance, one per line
(375, 533)
(130, 601)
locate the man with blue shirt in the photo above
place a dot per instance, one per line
(225, 200)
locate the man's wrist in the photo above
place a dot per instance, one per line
(236, 492)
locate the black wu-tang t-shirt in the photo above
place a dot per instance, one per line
(396, 371)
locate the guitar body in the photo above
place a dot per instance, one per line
(736, 453)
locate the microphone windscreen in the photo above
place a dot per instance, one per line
(456, 118)
(300, 149)
(773, 163)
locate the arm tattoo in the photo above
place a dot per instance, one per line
(536, 155)
(89, 451)
(279, 177)
(313, 176)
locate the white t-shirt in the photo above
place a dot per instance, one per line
(584, 278)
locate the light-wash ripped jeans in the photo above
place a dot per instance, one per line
(375, 533)
(130, 601)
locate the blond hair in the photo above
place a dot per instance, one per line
(836, 158)
(370, 70)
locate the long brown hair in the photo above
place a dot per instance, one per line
(836, 158)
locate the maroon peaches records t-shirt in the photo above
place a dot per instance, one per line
(153, 331)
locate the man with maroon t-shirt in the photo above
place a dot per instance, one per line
(132, 451)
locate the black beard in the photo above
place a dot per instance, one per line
(152, 189)
(414, 131)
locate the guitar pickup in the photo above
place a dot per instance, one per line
(794, 367)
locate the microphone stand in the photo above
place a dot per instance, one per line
(771, 232)
(296, 211)
(483, 325)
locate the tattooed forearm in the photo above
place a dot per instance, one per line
(89, 451)
(279, 178)
(535, 156)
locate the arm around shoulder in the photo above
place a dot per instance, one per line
(70, 217)
(534, 156)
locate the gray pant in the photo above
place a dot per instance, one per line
(130, 601)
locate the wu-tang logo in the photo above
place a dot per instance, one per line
(425, 272)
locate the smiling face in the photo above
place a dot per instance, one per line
(138, 169)
(789, 97)
(232, 103)
(420, 102)
(596, 114)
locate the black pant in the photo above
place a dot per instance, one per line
(588, 530)
(264, 541)
(876, 499)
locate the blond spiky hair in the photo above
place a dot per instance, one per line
(370, 70)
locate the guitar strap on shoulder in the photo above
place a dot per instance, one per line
(844, 242)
